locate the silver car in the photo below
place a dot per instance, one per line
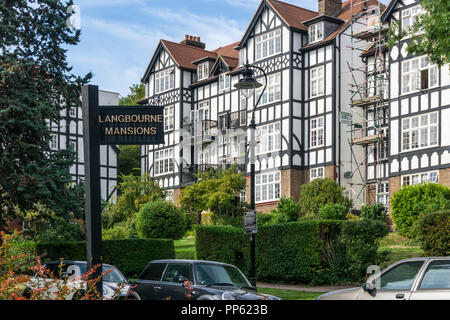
(409, 279)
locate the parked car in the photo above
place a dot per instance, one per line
(409, 279)
(193, 280)
(112, 281)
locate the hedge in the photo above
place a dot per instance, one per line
(130, 255)
(311, 251)
(434, 233)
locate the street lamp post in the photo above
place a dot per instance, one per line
(247, 85)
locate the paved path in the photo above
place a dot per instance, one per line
(300, 287)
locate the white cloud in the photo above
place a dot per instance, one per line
(215, 31)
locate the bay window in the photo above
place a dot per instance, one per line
(414, 179)
(203, 71)
(317, 173)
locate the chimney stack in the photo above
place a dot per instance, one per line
(329, 7)
(193, 41)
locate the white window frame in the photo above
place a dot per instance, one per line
(383, 194)
(224, 82)
(268, 44)
(169, 118)
(74, 144)
(203, 71)
(273, 91)
(315, 32)
(268, 187)
(163, 162)
(316, 173)
(242, 57)
(164, 80)
(420, 132)
(317, 81)
(412, 70)
(269, 138)
(169, 195)
(409, 17)
(54, 141)
(317, 129)
(73, 112)
(417, 178)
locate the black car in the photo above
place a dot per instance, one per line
(193, 280)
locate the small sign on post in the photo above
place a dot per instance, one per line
(251, 222)
(345, 117)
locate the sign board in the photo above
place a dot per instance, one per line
(345, 117)
(251, 222)
(131, 125)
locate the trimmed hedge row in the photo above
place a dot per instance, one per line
(310, 251)
(130, 255)
(434, 233)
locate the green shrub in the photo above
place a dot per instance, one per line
(310, 251)
(411, 201)
(130, 255)
(434, 233)
(333, 212)
(265, 219)
(374, 212)
(161, 219)
(287, 210)
(319, 192)
(119, 231)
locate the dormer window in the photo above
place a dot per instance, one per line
(316, 32)
(203, 71)
(224, 82)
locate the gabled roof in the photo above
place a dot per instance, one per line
(344, 14)
(183, 55)
(291, 15)
(387, 11)
(228, 51)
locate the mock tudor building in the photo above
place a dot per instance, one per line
(299, 134)
(419, 106)
(69, 133)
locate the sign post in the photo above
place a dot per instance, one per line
(109, 125)
(93, 210)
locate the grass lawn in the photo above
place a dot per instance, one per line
(290, 294)
(185, 248)
(400, 248)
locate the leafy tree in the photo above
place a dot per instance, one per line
(430, 33)
(319, 192)
(130, 156)
(134, 192)
(333, 212)
(287, 211)
(132, 99)
(35, 85)
(161, 219)
(410, 202)
(374, 212)
(215, 191)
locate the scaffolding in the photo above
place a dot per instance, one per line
(368, 92)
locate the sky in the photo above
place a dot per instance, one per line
(119, 37)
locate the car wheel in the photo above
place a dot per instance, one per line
(133, 296)
(206, 297)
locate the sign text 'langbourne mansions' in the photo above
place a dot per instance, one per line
(131, 125)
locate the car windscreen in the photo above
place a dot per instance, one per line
(113, 275)
(210, 274)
